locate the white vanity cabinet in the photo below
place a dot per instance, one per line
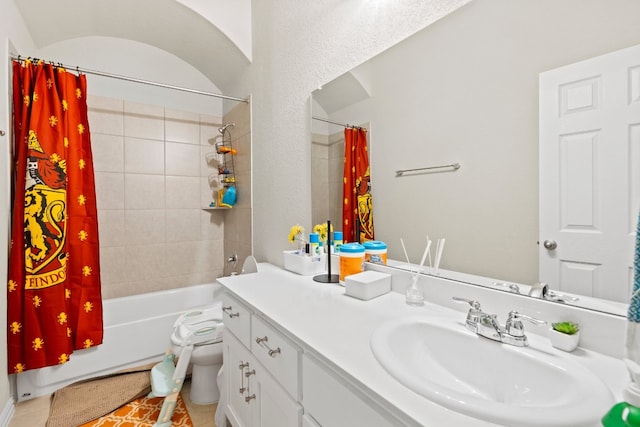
(261, 375)
(269, 378)
(309, 360)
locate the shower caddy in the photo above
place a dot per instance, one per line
(225, 167)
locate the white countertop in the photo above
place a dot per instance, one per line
(336, 327)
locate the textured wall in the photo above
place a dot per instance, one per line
(299, 45)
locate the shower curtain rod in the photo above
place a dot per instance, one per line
(336, 123)
(135, 80)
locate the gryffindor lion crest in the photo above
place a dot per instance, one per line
(44, 217)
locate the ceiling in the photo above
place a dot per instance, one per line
(166, 24)
(345, 90)
(184, 28)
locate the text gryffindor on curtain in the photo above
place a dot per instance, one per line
(54, 300)
(357, 206)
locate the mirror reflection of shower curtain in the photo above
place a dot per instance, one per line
(357, 207)
(54, 303)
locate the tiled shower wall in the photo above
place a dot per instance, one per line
(327, 164)
(150, 167)
(237, 221)
(319, 178)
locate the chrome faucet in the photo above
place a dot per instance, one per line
(474, 314)
(541, 290)
(514, 329)
(487, 325)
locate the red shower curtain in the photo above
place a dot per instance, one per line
(357, 207)
(54, 304)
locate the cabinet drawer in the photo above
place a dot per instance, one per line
(278, 354)
(236, 318)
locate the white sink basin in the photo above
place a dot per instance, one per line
(515, 386)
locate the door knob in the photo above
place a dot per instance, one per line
(550, 244)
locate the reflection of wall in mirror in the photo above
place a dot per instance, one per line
(466, 90)
(328, 150)
(327, 153)
(327, 163)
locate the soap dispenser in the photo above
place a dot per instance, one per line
(626, 413)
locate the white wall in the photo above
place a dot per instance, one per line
(137, 60)
(233, 17)
(466, 90)
(299, 45)
(13, 34)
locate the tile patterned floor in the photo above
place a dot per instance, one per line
(34, 412)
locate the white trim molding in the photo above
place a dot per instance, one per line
(7, 412)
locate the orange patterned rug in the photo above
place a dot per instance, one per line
(142, 412)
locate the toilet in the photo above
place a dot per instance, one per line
(201, 328)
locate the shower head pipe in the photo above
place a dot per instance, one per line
(225, 127)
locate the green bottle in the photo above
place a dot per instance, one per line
(622, 414)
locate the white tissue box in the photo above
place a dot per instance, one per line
(303, 264)
(367, 285)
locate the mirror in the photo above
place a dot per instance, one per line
(465, 90)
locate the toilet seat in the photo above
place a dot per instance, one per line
(208, 332)
(197, 342)
(199, 327)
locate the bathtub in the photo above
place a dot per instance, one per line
(137, 331)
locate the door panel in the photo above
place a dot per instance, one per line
(590, 174)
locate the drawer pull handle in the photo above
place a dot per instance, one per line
(242, 367)
(272, 352)
(249, 373)
(228, 309)
(248, 398)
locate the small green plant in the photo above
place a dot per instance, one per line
(568, 328)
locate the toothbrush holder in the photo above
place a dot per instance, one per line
(414, 294)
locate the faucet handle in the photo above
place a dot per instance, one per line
(475, 305)
(474, 314)
(514, 326)
(539, 290)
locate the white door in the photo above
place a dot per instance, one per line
(590, 174)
